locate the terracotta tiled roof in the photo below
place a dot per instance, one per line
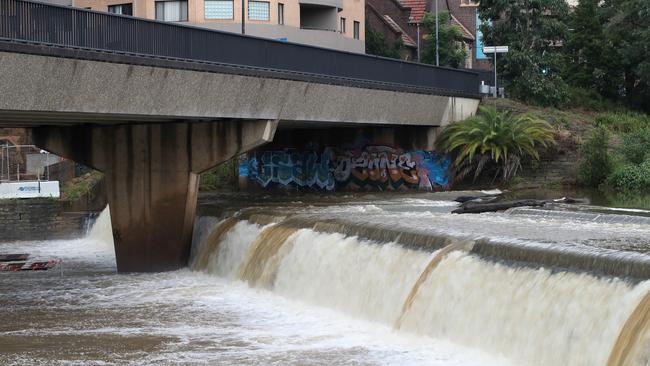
(406, 39)
(466, 33)
(417, 9)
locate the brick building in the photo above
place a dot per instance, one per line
(399, 19)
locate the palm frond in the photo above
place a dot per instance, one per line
(493, 137)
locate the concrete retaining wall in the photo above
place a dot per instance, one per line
(35, 219)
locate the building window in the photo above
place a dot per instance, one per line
(171, 11)
(124, 9)
(219, 9)
(342, 26)
(280, 13)
(258, 10)
(356, 30)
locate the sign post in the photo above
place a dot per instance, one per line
(495, 50)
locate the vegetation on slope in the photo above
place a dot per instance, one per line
(494, 141)
(81, 186)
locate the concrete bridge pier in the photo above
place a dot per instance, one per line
(151, 173)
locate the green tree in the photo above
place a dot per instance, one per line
(377, 45)
(451, 50)
(533, 30)
(592, 60)
(627, 28)
(500, 139)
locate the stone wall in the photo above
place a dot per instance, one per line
(557, 166)
(36, 219)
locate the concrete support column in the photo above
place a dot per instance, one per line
(151, 173)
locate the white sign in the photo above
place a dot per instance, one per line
(497, 49)
(29, 189)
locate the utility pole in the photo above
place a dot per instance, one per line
(437, 53)
(243, 17)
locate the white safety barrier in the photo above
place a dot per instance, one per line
(30, 189)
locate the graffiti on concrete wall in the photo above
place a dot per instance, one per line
(291, 167)
(372, 167)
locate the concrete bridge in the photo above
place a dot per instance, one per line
(153, 105)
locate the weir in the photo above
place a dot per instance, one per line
(444, 288)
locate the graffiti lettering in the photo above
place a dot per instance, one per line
(375, 167)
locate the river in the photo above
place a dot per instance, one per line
(347, 280)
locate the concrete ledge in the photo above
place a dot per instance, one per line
(33, 84)
(182, 64)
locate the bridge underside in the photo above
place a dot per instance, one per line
(152, 130)
(151, 171)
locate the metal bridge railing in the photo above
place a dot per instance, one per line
(29, 21)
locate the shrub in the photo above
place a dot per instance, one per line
(631, 178)
(221, 176)
(81, 186)
(500, 139)
(596, 163)
(589, 99)
(635, 146)
(623, 122)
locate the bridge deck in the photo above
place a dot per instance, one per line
(32, 27)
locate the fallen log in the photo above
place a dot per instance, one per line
(13, 257)
(479, 207)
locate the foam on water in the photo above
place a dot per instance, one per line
(92, 316)
(511, 310)
(281, 294)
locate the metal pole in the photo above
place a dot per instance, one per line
(437, 53)
(47, 166)
(495, 73)
(243, 17)
(418, 24)
(2, 162)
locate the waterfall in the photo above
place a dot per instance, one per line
(529, 314)
(101, 229)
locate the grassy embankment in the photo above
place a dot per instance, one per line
(81, 187)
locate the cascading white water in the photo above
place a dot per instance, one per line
(355, 277)
(533, 316)
(232, 250)
(530, 316)
(102, 230)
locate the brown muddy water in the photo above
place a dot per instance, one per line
(347, 280)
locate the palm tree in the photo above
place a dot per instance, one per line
(493, 137)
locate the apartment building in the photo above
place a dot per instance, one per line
(337, 24)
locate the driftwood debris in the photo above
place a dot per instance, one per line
(478, 207)
(13, 257)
